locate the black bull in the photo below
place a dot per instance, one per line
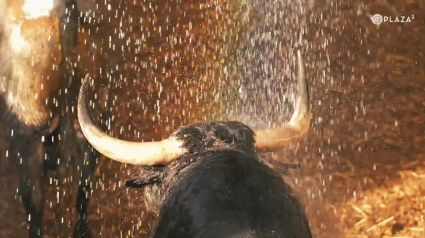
(36, 56)
(211, 181)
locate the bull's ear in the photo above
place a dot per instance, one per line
(143, 181)
(149, 175)
(279, 167)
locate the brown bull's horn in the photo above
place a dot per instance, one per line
(296, 129)
(138, 153)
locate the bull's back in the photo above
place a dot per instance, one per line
(230, 194)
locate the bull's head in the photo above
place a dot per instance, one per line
(30, 54)
(165, 151)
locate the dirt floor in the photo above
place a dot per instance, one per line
(363, 161)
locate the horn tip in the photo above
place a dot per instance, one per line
(300, 64)
(86, 78)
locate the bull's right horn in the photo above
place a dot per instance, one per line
(296, 129)
(137, 153)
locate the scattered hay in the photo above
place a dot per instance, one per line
(395, 209)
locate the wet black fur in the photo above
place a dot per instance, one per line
(203, 136)
(220, 188)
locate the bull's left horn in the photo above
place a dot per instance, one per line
(296, 129)
(137, 153)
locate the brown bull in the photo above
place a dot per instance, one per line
(37, 39)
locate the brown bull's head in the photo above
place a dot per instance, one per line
(165, 151)
(30, 54)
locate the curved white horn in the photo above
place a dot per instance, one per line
(138, 153)
(296, 129)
